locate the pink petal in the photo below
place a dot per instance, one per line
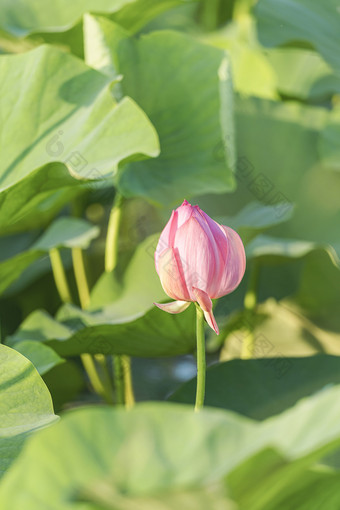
(219, 243)
(235, 263)
(184, 211)
(206, 304)
(197, 255)
(166, 238)
(174, 306)
(171, 275)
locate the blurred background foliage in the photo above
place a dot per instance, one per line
(241, 104)
(233, 105)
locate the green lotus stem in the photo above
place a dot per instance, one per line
(122, 364)
(101, 385)
(80, 276)
(201, 361)
(111, 248)
(60, 276)
(119, 380)
(88, 360)
(128, 388)
(250, 302)
(100, 381)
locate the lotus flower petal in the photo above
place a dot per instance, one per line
(174, 306)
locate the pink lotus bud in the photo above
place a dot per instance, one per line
(198, 260)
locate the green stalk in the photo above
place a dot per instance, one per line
(119, 380)
(201, 361)
(80, 276)
(65, 296)
(122, 364)
(111, 248)
(60, 276)
(100, 378)
(250, 303)
(100, 385)
(128, 388)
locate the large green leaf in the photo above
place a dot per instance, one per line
(38, 16)
(301, 20)
(34, 200)
(66, 121)
(25, 17)
(182, 459)
(260, 388)
(122, 319)
(25, 404)
(190, 126)
(63, 233)
(195, 456)
(150, 333)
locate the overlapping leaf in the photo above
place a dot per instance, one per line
(272, 459)
(25, 404)
(301, 20)
(262, 387)
(27, 17)
(63, 233)
(191, 127)
(67, 115)
(123, 319)
(145, 462)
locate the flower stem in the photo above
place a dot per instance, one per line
(250, 302)
(80, 276)
(128, 388)
(65, 296)
(119, 380)
(60, 276)
(111, 248)
(100, 384)
(122, 364)
(95, 365)
(201, 361)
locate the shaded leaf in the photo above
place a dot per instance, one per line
(255, 218)
(260, 388)
(301, 20)
(62, 233)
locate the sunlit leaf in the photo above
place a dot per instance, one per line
(62, 121)
(41, 356)
(25, 404)
(192, 127)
